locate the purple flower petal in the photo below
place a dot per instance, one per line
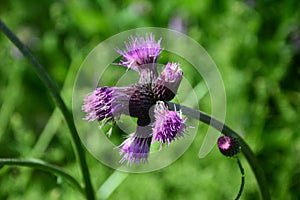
(106, 103)
(137, 146)
(97, 104)
(140, 51)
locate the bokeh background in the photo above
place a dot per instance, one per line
(255, 44)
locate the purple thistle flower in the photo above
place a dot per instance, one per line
(168, 125)
(228, 146)
(97, 104)
(107, 103)
(167, 83)
(137, 100)
(140, 51)
(137, 146)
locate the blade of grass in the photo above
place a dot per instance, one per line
(46, 135)
(111, 184)
(55, 119)
(11, 95)
(38, 164)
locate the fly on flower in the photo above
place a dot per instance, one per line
(145, 100)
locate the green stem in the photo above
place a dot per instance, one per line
(40, 70)
(37, 164)
(223, 128)
(243, 178)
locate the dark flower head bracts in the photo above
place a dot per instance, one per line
(144, 100)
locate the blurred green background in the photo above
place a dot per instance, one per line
(255, 44)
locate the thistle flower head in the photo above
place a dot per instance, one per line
(167, 83)
(106, 103)
(168, 125)
(171, 73)
(228, 146)
(135, 149)
(140, 51)
(97, 104)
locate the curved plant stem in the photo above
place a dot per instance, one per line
(250, 156)
(37, 164)
(40, 70)
(243, 178)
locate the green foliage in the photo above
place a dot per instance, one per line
(254, 44)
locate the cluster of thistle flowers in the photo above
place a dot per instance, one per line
(145, 100)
